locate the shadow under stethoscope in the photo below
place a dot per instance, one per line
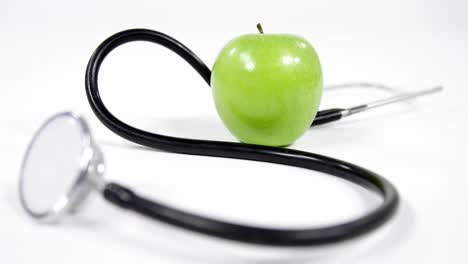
(156, 238)
(208, 127)
(178, 243)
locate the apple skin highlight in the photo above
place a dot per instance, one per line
(267, 87)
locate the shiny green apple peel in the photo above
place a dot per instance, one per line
(267, 87)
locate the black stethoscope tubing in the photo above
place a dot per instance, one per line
(126, 198)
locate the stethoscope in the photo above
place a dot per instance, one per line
(63, 150)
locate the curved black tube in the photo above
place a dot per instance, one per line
(250, 234)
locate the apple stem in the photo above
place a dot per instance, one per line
(259, 27)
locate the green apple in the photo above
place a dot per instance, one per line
(267, 87)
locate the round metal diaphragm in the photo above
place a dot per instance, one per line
(56, 167)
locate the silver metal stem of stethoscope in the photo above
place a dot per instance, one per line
(394, 99)
(359, 84)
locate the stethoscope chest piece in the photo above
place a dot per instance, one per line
(62, 166)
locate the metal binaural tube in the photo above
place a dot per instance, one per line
(390, 100)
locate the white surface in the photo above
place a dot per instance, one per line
(421, 146)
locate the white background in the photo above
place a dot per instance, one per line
(420, 146)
